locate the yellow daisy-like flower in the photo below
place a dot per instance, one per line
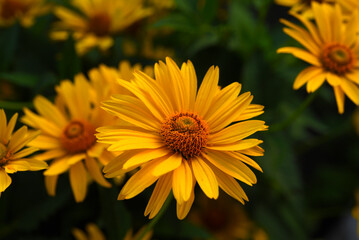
(303, 7)
(24, 11)
(67, 137)
(225, 219)
(332, 49)
(97, 21)
(13, 155)
(180, 136)
(93, 233)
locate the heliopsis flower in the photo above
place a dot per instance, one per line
(225, 219)
(13, 156)
(304, 8)
(67, 138)
(96, 21)
(178, 136)
(332, 49)
(93, 233)
(24, 11)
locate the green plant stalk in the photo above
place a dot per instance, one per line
(295, 114)
(153, 222)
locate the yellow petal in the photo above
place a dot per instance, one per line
(207, 91)
(301, 54)
(78, 181)
(145, 156)
(232, 166)
(159, 195)
(314, 83)
(183, 209)
(57, 167)
(230, 185)
(167, 164)
(182, 182)
(339, 96)
(94, 170)
(351, 90)
(49, 111)
(5, 180)
(305, 75)
(50, 184)
(205, 177)
(236, 146)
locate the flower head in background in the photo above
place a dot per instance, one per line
(93, 232)
(179, 136)
(67, 138)
(97, 21)
(24, 11)
(13, 156)
(225, 219)
(304, 8)
(332, 49)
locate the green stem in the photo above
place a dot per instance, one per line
(17, 106)
(294, 115)
(150, 226)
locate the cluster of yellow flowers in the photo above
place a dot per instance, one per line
(331, 45)
(171, 132)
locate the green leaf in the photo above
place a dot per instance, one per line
(8, 40)
(21, 79)
(209, 10)
(177, 22)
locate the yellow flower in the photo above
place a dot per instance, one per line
(225, 219)
(332, 49)
(303, 7)
(25, 11)
(94, 233)
(13, 155)
(67, 137)
(180, 137)
(97, 21)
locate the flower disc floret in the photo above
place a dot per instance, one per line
(5, 155)
(78, 136)
(99, 24)
(338, 58)
(185, 133)
(11, 8)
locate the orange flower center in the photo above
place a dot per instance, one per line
(4, 155)
(99, 24)
(337, 58)
(78, 136)
(11, 8)
(185, 133)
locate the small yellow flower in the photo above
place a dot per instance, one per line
(93, 233)
(97, 21)
(13, 155)
(179, 136)
(332, 49)
(303, 7)
(67, 137)
(225, 219)
(24, 11)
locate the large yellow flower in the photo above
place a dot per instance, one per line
(303, 7)
(13, 155)
(67, 137)
(179, 137)
(332, 49)
(97, 21)
(25, 11)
